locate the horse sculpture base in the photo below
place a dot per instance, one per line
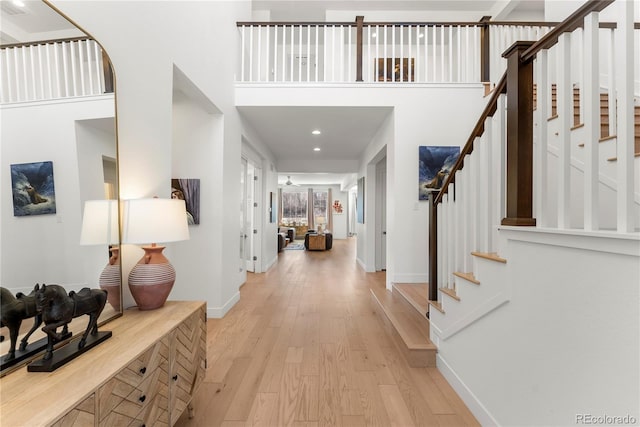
(67, 353)
(22, 355)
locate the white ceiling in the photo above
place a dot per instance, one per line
(346, 131)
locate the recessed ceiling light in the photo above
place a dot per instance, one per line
(374, 35)
(316, 149)
(421, 35)
(316, 132)
(18, 3)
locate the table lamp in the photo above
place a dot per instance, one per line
(153, 221)
(100, 227)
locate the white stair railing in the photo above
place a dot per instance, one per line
(576, 188)
(51, 70)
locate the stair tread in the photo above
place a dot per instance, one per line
(450, 292)
(412, 328)
(613, 159)
(493, 256)
(416, 294)
(467, 276)
(437, 305)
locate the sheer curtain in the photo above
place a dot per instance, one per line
(329, 210)
(279, 206)
(310, 210)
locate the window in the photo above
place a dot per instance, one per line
(320, 199)
(294, 207)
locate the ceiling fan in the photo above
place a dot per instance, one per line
(289, 182)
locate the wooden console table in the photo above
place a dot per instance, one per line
(145, 374)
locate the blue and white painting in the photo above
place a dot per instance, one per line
(32, 188)
(435, 163)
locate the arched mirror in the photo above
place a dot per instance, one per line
(58, 160)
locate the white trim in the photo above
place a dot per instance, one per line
(491, 304)
(219, 312)
(271, 263)
(64, 100)
(598, 241)
(473, 403)
(324, 85)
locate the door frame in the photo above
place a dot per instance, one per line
(381, 216)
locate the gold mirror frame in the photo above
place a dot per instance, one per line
(99, 256)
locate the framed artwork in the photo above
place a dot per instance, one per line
(33, 189)
(434, 165)
(337, 207)
(360, 201)
(393, 70)
(189, 191)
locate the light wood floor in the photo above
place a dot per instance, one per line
(304, 347)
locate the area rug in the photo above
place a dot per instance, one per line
(294, 247)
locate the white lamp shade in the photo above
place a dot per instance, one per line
(100, 223)
(154, 221)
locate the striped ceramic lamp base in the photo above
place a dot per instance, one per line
(151, 280)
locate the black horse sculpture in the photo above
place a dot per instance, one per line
(14, 310)
(58, 309)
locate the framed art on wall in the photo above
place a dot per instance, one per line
(189, 191)
(434, 165)
(32, 188)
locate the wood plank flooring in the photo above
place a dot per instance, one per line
(304, 347)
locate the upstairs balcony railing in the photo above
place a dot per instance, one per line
(378, 52)
(53, 69)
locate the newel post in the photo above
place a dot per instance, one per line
(519, 197)
(433, 247)
(485, 50)
(359, 26)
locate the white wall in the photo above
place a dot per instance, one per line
(567, 342)
(421, 115)
(143, 56)
(255, 148)
(339, 228)
(46, 248)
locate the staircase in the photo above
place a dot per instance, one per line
(403, 312)
(604, 117)
(469, 298)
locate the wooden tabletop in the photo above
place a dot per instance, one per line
(40, 398)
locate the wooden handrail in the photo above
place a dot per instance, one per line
(291, 23)
(39, 42)
(478, 130)
(415, 24)
(574, 21)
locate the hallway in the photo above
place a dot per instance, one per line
(304, 347)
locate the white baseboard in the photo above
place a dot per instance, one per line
(411, 278)
(475, 406)
(219, 312)
(361, 264)
(270, 264)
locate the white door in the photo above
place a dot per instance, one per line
(381, 215)
(243, 214)
(249, 219)
(252, 219)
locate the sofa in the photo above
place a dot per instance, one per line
(283, 240)
(291, 232)
(318, 242)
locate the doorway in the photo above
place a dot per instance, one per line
(251, 227)
(381, 215)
